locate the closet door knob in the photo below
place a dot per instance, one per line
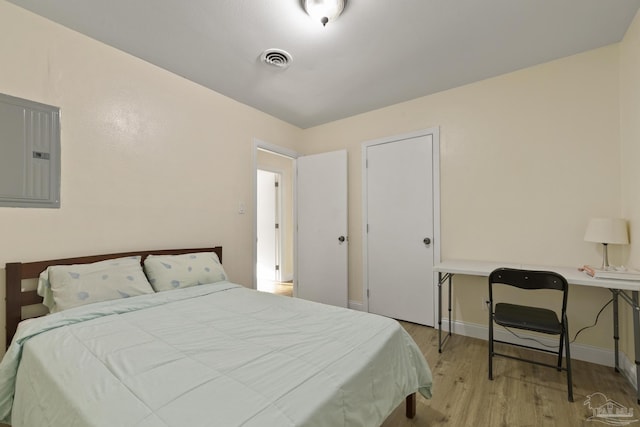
(427, 241)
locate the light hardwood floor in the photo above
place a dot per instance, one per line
(278, 288)
(521, 394)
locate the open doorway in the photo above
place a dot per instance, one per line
(269, 239)
(274, 223)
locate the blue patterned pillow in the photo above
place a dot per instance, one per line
(167, 272)
(80, 284)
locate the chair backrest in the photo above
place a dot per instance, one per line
(529, 279)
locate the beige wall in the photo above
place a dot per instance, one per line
(630, 152)
(526, 159)
(149, 159)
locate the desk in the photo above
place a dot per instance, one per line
(619, 288)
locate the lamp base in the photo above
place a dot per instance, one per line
(605, 258)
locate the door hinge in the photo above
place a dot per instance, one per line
(277, 268)
(41, 155)
(367, 228)
(367, 293)
(366, 163)
(277, 184)
(277, 226)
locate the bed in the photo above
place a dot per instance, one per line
(212, 354)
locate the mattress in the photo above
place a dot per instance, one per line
(210, 355)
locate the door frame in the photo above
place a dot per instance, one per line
(259, 144)
(435, 134)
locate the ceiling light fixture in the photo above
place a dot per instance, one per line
(324, 10)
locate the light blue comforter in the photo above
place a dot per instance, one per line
(216, 354)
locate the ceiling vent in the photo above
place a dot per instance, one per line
(276, 58)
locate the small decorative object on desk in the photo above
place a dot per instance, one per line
(618, 273)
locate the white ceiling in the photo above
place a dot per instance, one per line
(378, 53)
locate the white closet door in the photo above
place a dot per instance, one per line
(400, 233)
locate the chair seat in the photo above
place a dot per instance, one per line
(529, 318)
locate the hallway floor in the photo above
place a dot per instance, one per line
(278, 288)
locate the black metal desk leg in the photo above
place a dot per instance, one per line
(446, 277)
(616, 335)
(439, 312)
(636, 339)
(450, 316)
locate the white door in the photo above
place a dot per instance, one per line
(322, 248)
(267, 225)
(399, 217)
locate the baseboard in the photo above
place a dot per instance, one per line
(628, 369)
(583, 352)
(354, 305)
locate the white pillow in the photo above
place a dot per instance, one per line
(80, 284)
(167, 272)
(44, 290)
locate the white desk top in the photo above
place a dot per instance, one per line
(572, 274)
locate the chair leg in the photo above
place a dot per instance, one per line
(568, 353)
(562, 335)
(491, 342)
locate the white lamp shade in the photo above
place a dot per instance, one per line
(319, 9)
(607, 230)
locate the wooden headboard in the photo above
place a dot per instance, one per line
(16, 272)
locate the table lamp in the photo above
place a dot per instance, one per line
(606, 231)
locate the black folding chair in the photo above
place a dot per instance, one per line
(529, 318)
